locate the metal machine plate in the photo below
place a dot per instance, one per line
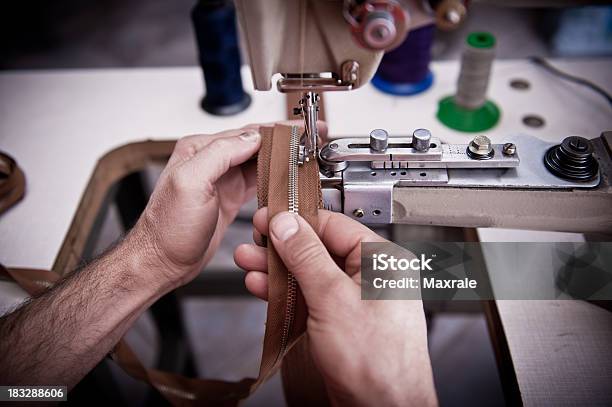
(368, 193)
(530, 174)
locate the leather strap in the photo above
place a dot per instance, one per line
(12, 182)
(286, 309)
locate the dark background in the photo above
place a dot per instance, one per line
(38, 34)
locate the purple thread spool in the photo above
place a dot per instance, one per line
(405, 70)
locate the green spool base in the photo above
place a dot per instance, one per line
(469, 121)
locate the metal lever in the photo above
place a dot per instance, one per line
(419, 151)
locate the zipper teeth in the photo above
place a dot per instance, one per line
(294, 148)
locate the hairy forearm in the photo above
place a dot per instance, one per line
(55, 339)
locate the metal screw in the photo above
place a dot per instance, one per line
(579, 144)
(509, 149)
(480, 144)
(358, 213)
(350, 71)
(333, 146)
(449, 13)
(480, 148)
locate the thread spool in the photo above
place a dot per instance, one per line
(476, 63)
(469, 110)
(214, 23)
(405, 70)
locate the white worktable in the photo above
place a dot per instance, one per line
(58, 123)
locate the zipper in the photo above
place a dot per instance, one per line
(294, 150)
(293, 206)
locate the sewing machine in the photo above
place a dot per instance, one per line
(325, 46)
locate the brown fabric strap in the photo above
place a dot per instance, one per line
(303, 384)
(178, 390)
(12, 182)
(272, 170)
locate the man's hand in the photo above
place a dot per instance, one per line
(83, 316)
(369, 352)
(198, 195)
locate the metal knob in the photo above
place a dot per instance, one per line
(379, 30)
(421, 139)
(450, 14)
(480, 148)
(379, 139)
(572, 159)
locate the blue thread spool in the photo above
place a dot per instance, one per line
(214, 24)
(405, 70)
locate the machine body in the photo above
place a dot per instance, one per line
(333, 45)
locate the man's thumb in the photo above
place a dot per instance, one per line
(305, 256)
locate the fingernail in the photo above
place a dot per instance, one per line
(250, 135)
(284, 226)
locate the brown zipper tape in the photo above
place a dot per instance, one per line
(273, 165)
(302, 383)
